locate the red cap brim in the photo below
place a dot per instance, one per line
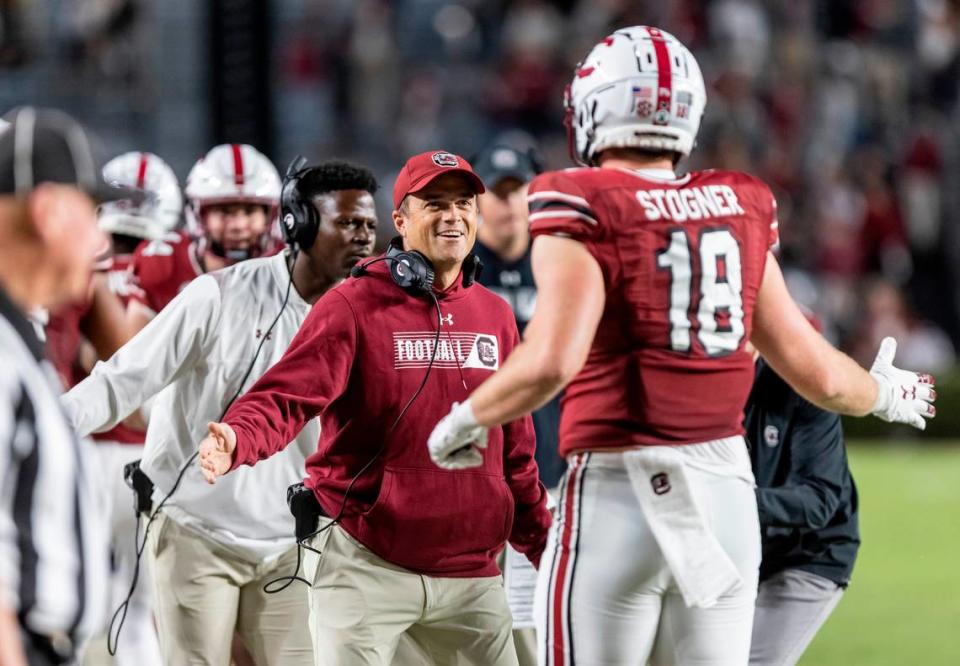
(423, 181)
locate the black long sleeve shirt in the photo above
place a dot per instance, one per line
(806, 497)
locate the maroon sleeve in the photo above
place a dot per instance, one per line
(559, 206)
(314, 371)
(143, 278)
(773, 238)
(531, 518)
(153, 269)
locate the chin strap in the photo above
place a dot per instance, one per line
(568, 124)
(235, 255)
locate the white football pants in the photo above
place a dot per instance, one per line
(605, 594)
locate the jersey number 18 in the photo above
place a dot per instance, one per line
(709, 302)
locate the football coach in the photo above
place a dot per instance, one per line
(397, 546)
(807, 502)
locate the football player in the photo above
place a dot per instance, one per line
(130, 224)
(232, 196)
(649, 286)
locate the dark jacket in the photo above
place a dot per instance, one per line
(513, 282)
(360, 355)
(806, 497)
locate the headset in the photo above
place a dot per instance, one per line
(413, 272)
(301, 233)
(299, 219)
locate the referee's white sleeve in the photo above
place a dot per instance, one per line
(9, 553)
(174, 340)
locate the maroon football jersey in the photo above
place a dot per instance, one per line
(161, 268)
(682, 261)
(63, 341)
(122, 283)
(121, 279)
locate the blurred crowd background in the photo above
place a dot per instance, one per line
(850, 109)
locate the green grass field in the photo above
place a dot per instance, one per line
(903, 605)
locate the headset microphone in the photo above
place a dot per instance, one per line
(358, 270)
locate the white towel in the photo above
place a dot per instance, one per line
(701, 567)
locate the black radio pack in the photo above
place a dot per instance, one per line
(305, 508)
(141, 485)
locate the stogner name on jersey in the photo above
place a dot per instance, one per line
(694, 203)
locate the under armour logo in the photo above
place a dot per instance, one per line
(260, 334)
(911, 393)
(447, 319)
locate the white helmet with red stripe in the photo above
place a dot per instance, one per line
(231, 173)
(160, 210)
(638, 88)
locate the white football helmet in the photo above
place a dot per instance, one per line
(638, 88)
(231, 173)
(159, 212)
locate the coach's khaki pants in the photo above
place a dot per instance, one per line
(362, 608)
(204, 592)
(525, 639)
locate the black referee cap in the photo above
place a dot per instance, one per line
(48, 146)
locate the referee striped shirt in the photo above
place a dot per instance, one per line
(53, 539)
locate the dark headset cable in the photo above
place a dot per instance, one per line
(140, 545)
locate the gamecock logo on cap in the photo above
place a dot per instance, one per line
(445, 159)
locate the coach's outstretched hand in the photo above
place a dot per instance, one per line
(457, 440)
(216, 451)
(902, 396)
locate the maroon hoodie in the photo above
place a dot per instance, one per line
(358, 358)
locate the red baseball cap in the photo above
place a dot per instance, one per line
(420, 170)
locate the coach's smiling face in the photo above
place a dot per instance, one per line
(440, 221)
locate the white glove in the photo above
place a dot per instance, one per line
(902, 396)
(457, 440)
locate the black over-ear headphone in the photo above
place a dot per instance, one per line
(412, 271)
(299, 219)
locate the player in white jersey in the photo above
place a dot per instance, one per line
(212, 552)
(129, 223)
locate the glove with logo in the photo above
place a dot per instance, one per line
(457, 440)
(902, 396)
